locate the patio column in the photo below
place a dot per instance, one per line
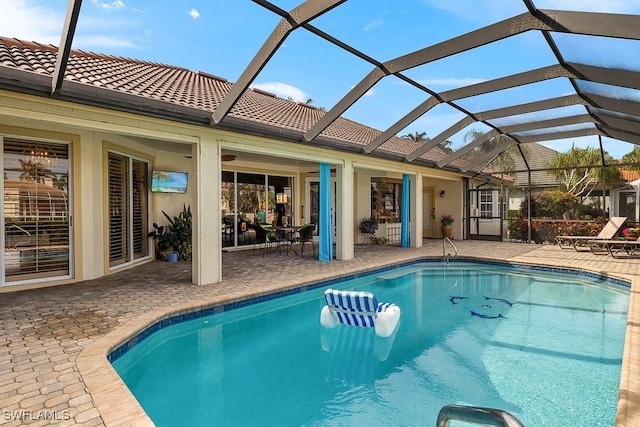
(345, 207)
(325, 234)
(415, 210)
(207, 244)
(404, 212)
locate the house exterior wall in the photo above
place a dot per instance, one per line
(195, 149)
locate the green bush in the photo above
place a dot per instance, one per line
(546, 231)
(176, 236)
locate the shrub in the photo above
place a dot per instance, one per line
(368, 225)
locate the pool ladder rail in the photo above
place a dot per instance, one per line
(476, 415)
(446, 256)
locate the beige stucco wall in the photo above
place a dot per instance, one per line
(177, 146)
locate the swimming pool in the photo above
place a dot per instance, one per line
(544, 346)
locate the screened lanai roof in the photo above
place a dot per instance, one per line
(533, 74)
(586, 85)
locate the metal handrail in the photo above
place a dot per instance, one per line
(478, 415)
(445, 255)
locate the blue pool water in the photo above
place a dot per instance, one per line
(546, 347)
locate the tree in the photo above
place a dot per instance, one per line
(504, 161)
(632, 157)
(416, 137)
(573, 175)
(34, 172)
(446, 146)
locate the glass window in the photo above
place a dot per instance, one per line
(486, 203)
(36, 210)
(128, 182)
(280, 193)
(249, 199)
(386, 194)
(627, 205)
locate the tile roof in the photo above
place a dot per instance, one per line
(170, 86)
(538, 157)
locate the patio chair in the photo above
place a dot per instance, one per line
(357, 308)
(580, 243)
(263, 240)
(617, 248)
(304, 236)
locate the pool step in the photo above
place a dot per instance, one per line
(476, 415)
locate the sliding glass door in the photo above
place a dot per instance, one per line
(36, 220)
(128, 181)
(249, 199)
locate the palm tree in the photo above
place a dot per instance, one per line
(34, 171)
(504, 162)
(446, 146)
(632, 157)
(416, 137)
(160, 176)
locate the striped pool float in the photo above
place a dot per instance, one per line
(359, 308)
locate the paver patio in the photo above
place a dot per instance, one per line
(45, 330)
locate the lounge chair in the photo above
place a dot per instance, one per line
(357, 308)
(580, 243)
(617, 248)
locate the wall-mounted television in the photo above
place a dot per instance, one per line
(169, 181)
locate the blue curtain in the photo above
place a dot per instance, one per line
(404, 212)
(325, 232)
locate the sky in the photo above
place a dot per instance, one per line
(221, 37)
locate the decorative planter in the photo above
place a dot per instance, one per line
(631, 236)
(446, 231)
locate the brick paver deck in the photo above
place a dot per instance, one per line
(45, 380)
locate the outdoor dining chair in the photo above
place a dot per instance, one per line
(304, 236)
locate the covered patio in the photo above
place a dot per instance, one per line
(58, 337)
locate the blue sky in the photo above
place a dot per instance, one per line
(222, 36)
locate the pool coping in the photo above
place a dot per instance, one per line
(119, 407)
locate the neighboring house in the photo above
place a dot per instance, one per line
(622, 199)
(626, 199)
(541, 180)
(90, 150)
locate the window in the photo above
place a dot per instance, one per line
(128, 181)
(37, 229)
(486, 203)
(386, 196)
(248, 199)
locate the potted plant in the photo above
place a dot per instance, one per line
(175, 237)
(368, 226)
(631, 233)
(165, 239)
(446, 221)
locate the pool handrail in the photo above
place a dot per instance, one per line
(478, 415)
(446, 256)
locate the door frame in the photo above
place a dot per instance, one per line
(428, 218)
(307, 198)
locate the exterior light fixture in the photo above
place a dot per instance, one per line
(442, 194)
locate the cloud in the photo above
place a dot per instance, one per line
(194, 13)
(373, 25)
(370, 92)
(97, 42)
(284, 90)
(115, 4)
(24, 20)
